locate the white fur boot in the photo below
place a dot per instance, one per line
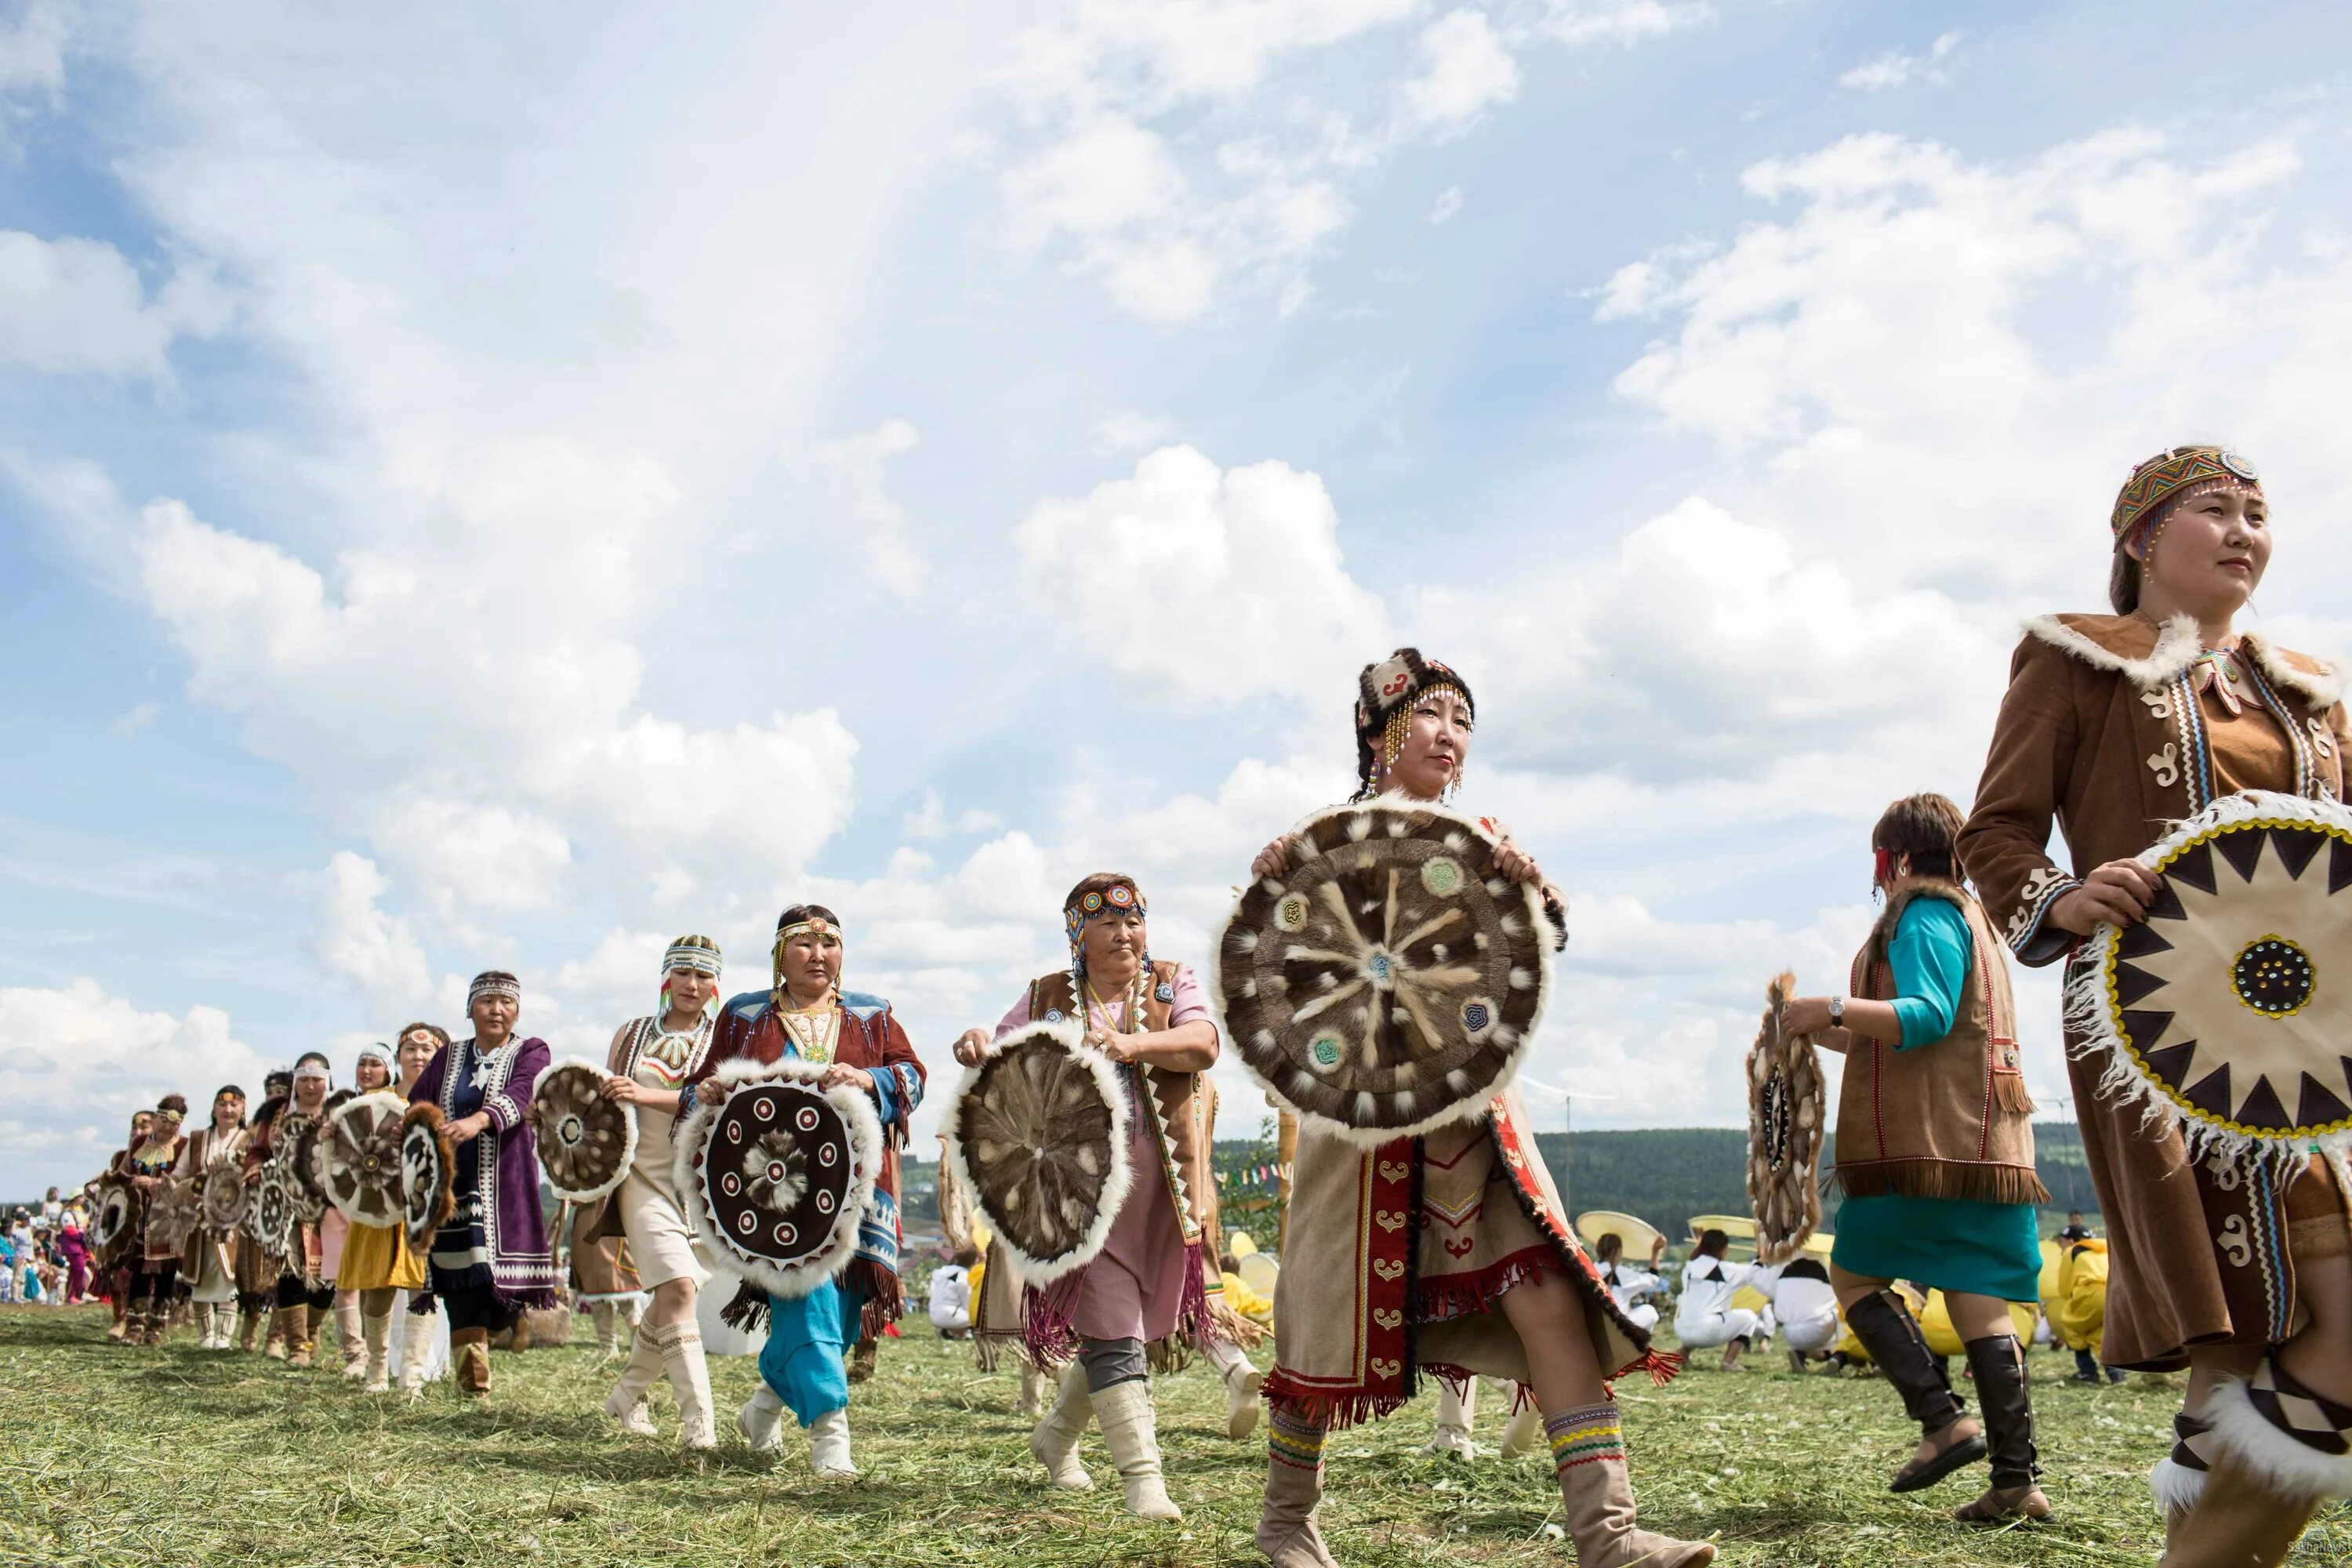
(1130, 1433)
(1055, 1440)
(829, 1448)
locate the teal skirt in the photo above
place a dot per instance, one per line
(1949, 1244)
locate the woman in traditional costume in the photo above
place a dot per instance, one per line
(1520, 1299)
(1934, 1155)
(209, 1261)
(2114, 727)
(121, 1269)
(304, 1294)
(153, 1287)
(650, 1060)
(377, 1262)
(417, 1333)
(1153, 1279)
(490, 1263)
(258, 1270)
(807, 1017)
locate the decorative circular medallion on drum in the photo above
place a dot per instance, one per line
(2220, 1008)
(777, 1176)
(1391, 979)
(177, 1212)
(1787, 1100)
(269, 1216)
(1037, 1134)
(293, 1163)
(116, 1217)
(428, 1169)
(223, 1197)
(586, 1142)
(358, 1159)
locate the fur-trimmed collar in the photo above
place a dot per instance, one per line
(1882, 935)
(2148, 656)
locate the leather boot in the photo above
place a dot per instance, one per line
(470, 1349)
(2294, 1441)
(829, 1448)
(2235, 1523)
(1032, 1393)
(206, 1316)
(1243, 1382)
(2005, 1394)
(300, 1345)
(1457, 1415)
(627, 1404)
(1054, 1440)
(248, 1329)
(1589, 1445)
(348, 1342)
(273, 1341)
(1888, 1331)
(681, 1346)
(761, 1420)
(1294, 1487)
(1130, 1432)
(608, 1337)
(1525, 1435)
(415, 1350)
(2179, 1476)
(861, 1361)
(375, 1337)
(159, 1322)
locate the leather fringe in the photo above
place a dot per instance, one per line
(886, 1298)
(1332, 1411)
(1234, 1329)
(1965, 1180)
(2009, 1092)
(748, 1311)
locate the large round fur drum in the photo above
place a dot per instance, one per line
(586, 1142)
(176, 1214)
(778, 1176)
(224, 1196)
(114, 1222)
(269, 1216)
(428, 1170)
(293, 1153)
(1037, 1135)
(1786, 1097)
(358, 1159)
(2227, 1012)
(1392, 981)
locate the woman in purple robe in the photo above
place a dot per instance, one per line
(490, 1261)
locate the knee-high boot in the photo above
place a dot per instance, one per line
(627, 1404)
(829, 1446)
(1457, 1418)
(1888, 1331)
(470, 1349)
(348, 1342)
(1589, 1445)
(1055, 1440)
(1131, 1431)
(299, 1344)
(689, 1378)
(1294, 1488)
(2234, 1521)
(207, 1323)
(608, 1338)
(375, 1334)
(249, 1324)
(1033, 1393)
(2005, 1394)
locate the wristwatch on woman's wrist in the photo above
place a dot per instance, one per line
(1837, 1012)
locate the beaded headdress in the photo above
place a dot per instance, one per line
(2171, 473)
(378, 1051)
(1385, 695)
(1122, 897)
(494, 983)
(697, 954)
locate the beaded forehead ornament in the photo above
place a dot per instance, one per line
(492, 983)
(2168, 474)
(1118, 899)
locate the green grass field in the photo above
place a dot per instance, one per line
(177, 1456)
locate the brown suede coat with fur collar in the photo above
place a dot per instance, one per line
(2102, 732)
(1949, 1119)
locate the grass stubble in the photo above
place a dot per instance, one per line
(119, 1457)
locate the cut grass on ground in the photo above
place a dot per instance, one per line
(180, 1457)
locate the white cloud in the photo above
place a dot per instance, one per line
(860, 467)
(932, 820)
(359, 942)
(33, 50)
(75, 1061)
(1465, 71)
(1222, 583)
(77, 307)
(1622, 21)
(1447, 208)
(136, 719)
(1894, 68)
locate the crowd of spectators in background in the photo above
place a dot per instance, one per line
(43, 1256)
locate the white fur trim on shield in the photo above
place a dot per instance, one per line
(597, 1073)
(2092, 1022)
(2281, 1463)
(1072, 1036)
(2174, 1487)
(796, 1279)
(1466, 1109)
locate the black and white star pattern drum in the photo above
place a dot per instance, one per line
(777, 1178)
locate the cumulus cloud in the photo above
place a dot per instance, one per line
(1894, 68)
(78, 307)
(1227, 583)
(1465, 71)
(1622, 21)
(33, 51)
(358, 940)
(860, 467)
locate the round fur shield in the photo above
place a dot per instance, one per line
(2227, 1011)
(1037, 1134)
(116, 1219)
(293, 1142)
(174, 1215)
(223, 1197)
(777, 1177)
(269, 1215)
(1392, 981)
(428, 1170)
(586, 1142)
(358, 1159)
(1785, 1108)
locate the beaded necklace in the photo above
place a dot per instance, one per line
(815, 1029)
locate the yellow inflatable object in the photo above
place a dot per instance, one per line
(1262, 1273)
(1935, 1324)
(1750, 1297)
(1238, 1243)
(1638, 1235)
(1818, 1245)
(1257, 1309)
(2081, 1319)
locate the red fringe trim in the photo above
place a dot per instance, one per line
(885, 1297)
(1333, 1410)
(1445, 1297)
(1046, 1332)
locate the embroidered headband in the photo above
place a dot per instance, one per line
(494, 983)
(376, 1051)
(815, 925)
(313, 1070)
(1121, 898)
(2168, 474)
(698, 953)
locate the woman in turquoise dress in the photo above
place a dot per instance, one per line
(1935, 1156)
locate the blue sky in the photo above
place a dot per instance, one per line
(511, 486)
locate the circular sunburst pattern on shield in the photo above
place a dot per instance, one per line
(269, 1216)
(224, 1197)
(1037, 1133)
(1391, 980)
(358, 1159)
(176, 1214)
(1786, 1096)
(116, 1219)
(2232, 1001)
(427, 1171)
(778, 1176)
(586, 1142)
